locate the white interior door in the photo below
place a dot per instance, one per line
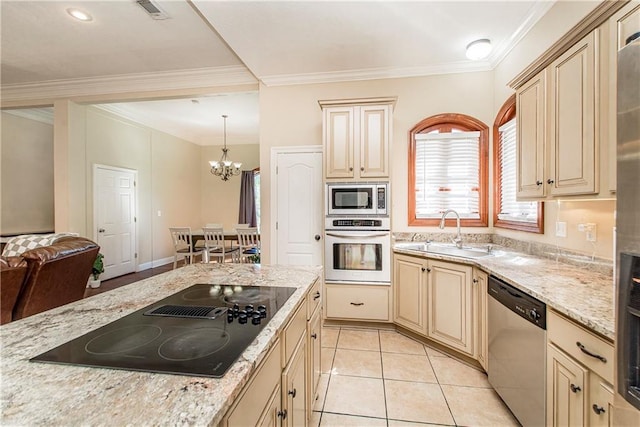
(299, 208)
(114, 218)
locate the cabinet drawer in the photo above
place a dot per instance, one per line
(293, 332)
(577, 341)
(314, 298)
(359, 302)
(257, 392)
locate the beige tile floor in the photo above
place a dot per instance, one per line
(376, 378)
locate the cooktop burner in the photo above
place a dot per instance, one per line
(199, 331)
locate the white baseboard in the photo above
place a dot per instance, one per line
(155, 263)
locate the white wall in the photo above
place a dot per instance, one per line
(26, 175)
(168, 175)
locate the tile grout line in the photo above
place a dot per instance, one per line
(384, 389)
(326, 392)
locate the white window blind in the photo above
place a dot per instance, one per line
(510, 209)
(447, 174)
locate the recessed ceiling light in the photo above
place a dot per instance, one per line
(80, 15)
(479, 49)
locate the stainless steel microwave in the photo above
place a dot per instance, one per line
(357, 198)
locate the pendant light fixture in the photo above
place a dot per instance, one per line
(225, 168)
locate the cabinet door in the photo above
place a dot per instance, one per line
(449, 305)
(314, 349)
(531, 138)
(294, 381)
(622, 24)
(573, 121)
(273, 412)
(374, 141)
(601, 403)
(410, 293)
(480, 280)
(566, 382)
(338, 141)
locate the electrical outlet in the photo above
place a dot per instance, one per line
(591, 232)
(561, 229)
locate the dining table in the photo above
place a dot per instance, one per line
(197, 235)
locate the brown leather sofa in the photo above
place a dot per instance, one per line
(55, 275)
(13, 271)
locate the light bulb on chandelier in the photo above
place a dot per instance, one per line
(225, 168)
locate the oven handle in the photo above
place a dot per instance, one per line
(349, 236)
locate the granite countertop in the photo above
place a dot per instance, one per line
(53, 394)
(579, 294)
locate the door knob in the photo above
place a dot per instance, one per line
(317, 237)
(101, 230)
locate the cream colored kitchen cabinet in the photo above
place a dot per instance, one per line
(273, 412)
(531, 101)
(356, 140)
(449, 305)
(357, 302)
(600, 403)
(566, 382)
(579, 375)
(480, 283)
(436, 299)
(314, 344)
(294, 392)
(558, 125)
(573, 122)
(256, 405)
(621, 25)
(410, 292)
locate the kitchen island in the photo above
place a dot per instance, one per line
(54, 394)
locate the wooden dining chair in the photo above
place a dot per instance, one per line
(215, 245)
(249, 242)
(183, 244)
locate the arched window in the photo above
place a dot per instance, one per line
(508, 212)
(448, 169)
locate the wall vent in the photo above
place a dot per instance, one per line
(152, 9)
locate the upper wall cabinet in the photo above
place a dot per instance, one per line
(622, 24)
(530, 127)
(566, 109)
(573, 147)
(558, 124)
(356, 139)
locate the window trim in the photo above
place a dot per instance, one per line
(444, 123)
(506, 113)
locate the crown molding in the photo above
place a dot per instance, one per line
(374, 74)
(126, 83)
(589, 23)
(42, 115)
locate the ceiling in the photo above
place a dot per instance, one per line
(278, 42)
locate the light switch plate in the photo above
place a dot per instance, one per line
(561, 229)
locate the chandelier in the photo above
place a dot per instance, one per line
(225, 168)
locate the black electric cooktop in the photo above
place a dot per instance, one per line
(199, 331)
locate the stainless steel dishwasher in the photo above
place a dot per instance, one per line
(517, 351)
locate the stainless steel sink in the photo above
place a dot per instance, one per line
(445, 249)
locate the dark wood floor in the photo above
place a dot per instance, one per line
(116, 282)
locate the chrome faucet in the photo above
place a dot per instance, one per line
(458, 239)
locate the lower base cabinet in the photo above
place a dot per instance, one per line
(357, 302)
(579, 375)
(294, 393)
(281, 391)
(436, 299)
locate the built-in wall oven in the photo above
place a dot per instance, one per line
(358, 250)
